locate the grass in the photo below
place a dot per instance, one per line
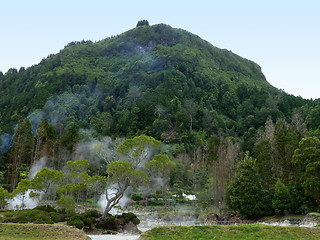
(15, 231)
(250, 231)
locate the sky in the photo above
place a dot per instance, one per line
(282, 36)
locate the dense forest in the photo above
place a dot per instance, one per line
(209, 116)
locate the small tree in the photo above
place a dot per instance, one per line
(21, 190)
(143, 23)
(4, 196)
(281, 198)
(46, 179)
(121, 175)
(161, 165)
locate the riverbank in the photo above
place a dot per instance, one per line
(17, 231)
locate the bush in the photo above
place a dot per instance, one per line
(92, 213)
(46, 208)
(131, 217)
(56, 217)
(88, 222)
(42, 218)
(23, 216)
(77, 223)
(109, 223)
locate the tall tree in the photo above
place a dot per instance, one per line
(307, 157)
(245, 193)
(21, 153)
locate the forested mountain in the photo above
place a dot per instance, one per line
(209, 103)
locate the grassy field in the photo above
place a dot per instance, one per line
(15, 231)
(254, 231)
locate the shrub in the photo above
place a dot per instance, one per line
(109, 223)
(46, 208)
(88, 222)
(56, 217)
(131, 217)
(77, 223)
(42, 218)
(23, 216)
(92, 213)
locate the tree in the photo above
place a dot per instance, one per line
(4, 196)
(121, 175)
(281, 198)
(307, 157)
(142, 23)
(21, 191)
(191, 108)
(45, 180)
(138, 149)
(77, 178)
(20, 152)
(244, 192)
(161, 165)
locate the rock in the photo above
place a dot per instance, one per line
(130, 227)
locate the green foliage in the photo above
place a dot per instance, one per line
(29, 216)
(124, 173)
(4, 197)
(45, 178)
(57, 217)
(130, 217)
(42, 218)
(244, 192)
(307, 157)
(108, 223)
(67, 203)
(46, 208)
(143, 23)
(21, 190)
(281, 198)
(161, 164)
(78, 223)
(137, 148)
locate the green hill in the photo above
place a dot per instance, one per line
(138, 70)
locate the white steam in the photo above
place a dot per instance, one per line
(123, 203)
(37, 166)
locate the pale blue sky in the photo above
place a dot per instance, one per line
(282, 36)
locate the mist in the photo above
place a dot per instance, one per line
(6, 140)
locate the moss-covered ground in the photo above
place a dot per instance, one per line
(17, 231)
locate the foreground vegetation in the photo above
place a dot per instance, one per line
(249, 231)
(17, 231)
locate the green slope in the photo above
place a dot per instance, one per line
(116, 85)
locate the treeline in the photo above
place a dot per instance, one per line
(275, 169)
